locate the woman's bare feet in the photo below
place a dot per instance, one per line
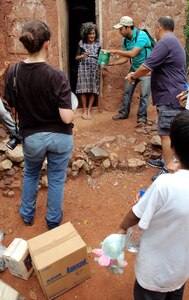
(84, 116)
(89, 115)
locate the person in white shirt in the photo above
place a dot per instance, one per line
(162, 263)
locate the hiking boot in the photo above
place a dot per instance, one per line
(142, 120)
(119, 117)
(162, 171)
(156, 163)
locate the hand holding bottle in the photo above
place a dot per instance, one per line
(137, 197)
(183, 97)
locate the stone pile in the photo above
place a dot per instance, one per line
(108, 153)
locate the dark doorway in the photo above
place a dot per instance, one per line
(80, 11)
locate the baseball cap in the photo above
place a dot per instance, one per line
(124, 21)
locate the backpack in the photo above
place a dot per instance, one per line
(152, 41)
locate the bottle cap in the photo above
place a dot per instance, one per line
(142, 192)
(186, 85)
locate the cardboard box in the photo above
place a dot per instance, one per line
(59, 258)
(7, 292)
(18, 259)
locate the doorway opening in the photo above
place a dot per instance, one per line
(80, 11)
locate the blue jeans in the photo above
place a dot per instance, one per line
(144, 97)
(57, 147)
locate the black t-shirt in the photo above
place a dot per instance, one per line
(41, 90)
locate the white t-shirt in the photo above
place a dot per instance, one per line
(162, 263)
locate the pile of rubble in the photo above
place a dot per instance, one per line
(105, 155)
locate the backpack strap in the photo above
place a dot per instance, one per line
(15, 70)
(137, 33)
(146, 47)
(125, 40)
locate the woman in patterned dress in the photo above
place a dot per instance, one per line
(88, 79)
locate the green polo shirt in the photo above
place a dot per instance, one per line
(142, 42)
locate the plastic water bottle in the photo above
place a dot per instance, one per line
(2, 261)
(187, 102)
(132, 243)
(186, 86)
(2, 250)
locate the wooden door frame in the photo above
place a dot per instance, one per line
(62, 7)
(63, 36)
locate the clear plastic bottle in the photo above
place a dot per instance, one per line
(2, 261)
(186, 86)
(2, 250)
(187, 102)
(132, 243)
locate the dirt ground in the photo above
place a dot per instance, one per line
(95, 206)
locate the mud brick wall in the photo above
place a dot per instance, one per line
(144, 13)
(13, 14)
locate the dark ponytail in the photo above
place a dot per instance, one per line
(34, 34)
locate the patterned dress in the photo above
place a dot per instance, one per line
(88, 78)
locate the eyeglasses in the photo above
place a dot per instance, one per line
(175, 160)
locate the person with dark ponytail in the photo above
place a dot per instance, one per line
(43, 104)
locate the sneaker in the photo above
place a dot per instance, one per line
(156, 163)
(142, 120)
(162, 171)
(50, 227)
(119, 117)
(28, 223)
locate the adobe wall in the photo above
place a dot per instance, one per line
(13, 15)
(144, 12)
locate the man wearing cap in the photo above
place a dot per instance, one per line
(136, 47)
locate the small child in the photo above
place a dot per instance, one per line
(88, 80)
(162, 263)
(5, 117)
